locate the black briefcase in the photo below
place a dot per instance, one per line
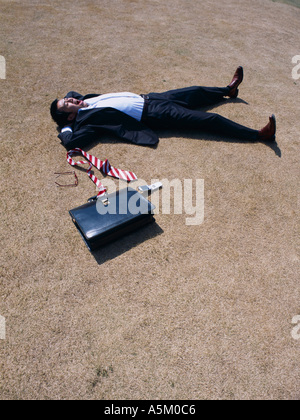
(102, 221)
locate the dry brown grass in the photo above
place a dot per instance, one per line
(176, 312)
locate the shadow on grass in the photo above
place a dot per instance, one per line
(216, 138)
(295, 3)
(189, 134)
(126, 243)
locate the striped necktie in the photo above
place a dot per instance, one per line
(103, 166)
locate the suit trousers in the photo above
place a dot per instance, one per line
(179, 109)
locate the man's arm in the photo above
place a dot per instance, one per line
(81, 138)
(74, 95)
(121, 125)
(87, 135)
(89, 127)
(80, 97)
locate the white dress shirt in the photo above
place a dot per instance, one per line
(126, 102)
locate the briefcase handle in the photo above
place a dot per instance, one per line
(92, 199)
(144, 190)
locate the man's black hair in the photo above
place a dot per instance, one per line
(61, 118)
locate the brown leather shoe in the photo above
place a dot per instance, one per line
(269, 131)
(236, 81)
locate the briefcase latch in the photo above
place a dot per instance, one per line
(150, 188)
(105, 202)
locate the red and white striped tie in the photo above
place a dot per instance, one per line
(103, 166)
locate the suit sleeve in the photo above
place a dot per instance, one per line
(109, 121)
(80, 97)
(80, 138)
(74, 95)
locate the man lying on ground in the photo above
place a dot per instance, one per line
(84, 119)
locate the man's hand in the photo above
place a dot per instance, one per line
(66, 128)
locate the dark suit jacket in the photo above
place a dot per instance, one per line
(90, 125)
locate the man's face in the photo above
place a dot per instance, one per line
(70, 105)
